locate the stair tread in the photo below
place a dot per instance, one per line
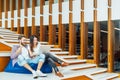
(116, 79)
(55, 49)
(104, 76)
(5, 54)
(89, 71)
(74, 61)
(62, 52)
(79, 66)
(69, 56)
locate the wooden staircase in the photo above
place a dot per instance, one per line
(77, 69)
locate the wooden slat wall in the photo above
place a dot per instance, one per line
(0, 13)
(72, 31)
(18, 15)
(51, 27)
(33, 30)
(26, 3)
(6, 2)
(84, 34)
(111, 42)
(96, 36)
(42, 30)
(12, 8)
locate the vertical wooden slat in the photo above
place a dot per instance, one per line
(42, 30)
(26, 3)
(50, 5)
(0, 13)
(83, 37)
(6, 12)
(95, 4)
(18, 21)
(70, 5)
(51, 31)
(60, 24)
(84, 33)
(96, 39)
(72, 32)
(109, 3)
(60, 31)
(12, 14)
(82, 4)
(33, 30)
(111, 43)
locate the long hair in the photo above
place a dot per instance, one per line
(32, 42)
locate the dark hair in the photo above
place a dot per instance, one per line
(31, 42)
(20, 37)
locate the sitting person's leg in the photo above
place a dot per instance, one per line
(24, 63)
(52, 63)
(62, 63)
(39, 60)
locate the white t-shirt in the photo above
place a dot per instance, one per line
(37, 50)
(25, 53)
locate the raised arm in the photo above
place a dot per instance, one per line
(16, 50)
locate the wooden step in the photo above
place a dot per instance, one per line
(104, 76)
(79, 66)
(69, 57)
(75, 61)
(61, 53)
(75, 73)
(116, 79)
(55, 49)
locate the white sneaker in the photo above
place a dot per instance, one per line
(39, 73)
(34, 75)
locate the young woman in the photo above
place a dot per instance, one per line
(35, 49)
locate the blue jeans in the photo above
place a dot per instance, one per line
(22, 61)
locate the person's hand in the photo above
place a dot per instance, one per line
(32, 56)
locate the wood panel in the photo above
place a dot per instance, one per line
(72, 36)
(42, 30)
(6, 2)
(70, 5)
(109, 3)
(42, 2)
(60, 31)
(33, 30)
(60, 24)
(51, 28)
(18, 15)
(26, 3)
(95, 3)
(4, 47)
(0, 13)
(111, 42)
(82, 4)
(84, 37)
(3, 63)
(96, 39)
(25, 27)
(12, 14)
(82, 77)
(60, 5)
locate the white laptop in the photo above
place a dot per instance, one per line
(45, 48)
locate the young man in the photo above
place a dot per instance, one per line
(20, 54)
